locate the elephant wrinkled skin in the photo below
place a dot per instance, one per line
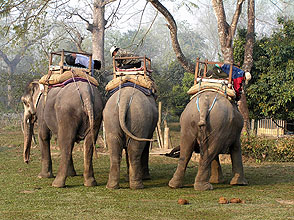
(210, 132)
(73, 113)
(130, 118)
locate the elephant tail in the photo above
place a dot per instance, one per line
(203, 108)
(87, 99)
(123, 109)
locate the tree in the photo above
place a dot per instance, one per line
(271, 92)
(18, 34)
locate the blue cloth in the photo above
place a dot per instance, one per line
(84, 60)
(236, 71)
(146, 91)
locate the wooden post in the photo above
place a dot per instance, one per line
(90, 64)
(231, 73)
(205, 68)
(196, 71)
(114, 70)
(149, 60)
(145, 69)
(278, 122)
(62, 61)
(50, 63)
(158, 132)
(252, 127)
(166, 138)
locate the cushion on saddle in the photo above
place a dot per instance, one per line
(140, 80)
(146, 91)
(212, 86)
(67, 75)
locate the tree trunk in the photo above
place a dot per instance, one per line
(226, 32)
(98, 31)
(11, 70)
(248, 61)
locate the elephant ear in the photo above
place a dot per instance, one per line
(34, 86)
(29, 97)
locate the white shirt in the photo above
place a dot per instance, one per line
(84, 60)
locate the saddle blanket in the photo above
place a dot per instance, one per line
(74, 79)
(146, 91)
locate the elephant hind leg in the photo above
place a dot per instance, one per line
(46, 162)
(144, 161)
(66, 144)
(202, 177)
(89, 179)
(135, 151)
(186, 150)
(237, 166)
(204, 169)
(115, 154)
(216, 172)
(71, 169)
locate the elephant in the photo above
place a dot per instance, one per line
(130, 118)
(211, 125)
(73, 113)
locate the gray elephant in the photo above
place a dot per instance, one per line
(130, 118)
(210, 124)
(73, 113)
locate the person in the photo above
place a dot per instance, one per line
(238, 76)
(125, 63)
(82, 61)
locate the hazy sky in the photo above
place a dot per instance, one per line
(266, 13)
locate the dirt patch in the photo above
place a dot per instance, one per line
(285, 202)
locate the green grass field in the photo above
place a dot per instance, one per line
(269, 195)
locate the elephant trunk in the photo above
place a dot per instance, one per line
(28, 134)
(123, 109)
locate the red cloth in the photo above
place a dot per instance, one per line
(238, 86)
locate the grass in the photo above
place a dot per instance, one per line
(269, 195)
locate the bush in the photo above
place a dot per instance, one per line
(268, 149)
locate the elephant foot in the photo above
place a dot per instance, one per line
(112, 185)
(202, 186)
(136, 185)
(237, 180)
(58, 183)
(45, 175)
(174, 184)
(216, 179)
(90, 182)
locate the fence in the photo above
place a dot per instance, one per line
(269, 127)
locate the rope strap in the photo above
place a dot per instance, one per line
(213, 103)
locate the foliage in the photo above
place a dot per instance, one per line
(268, 149)
(271, 92)
(173, 85)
